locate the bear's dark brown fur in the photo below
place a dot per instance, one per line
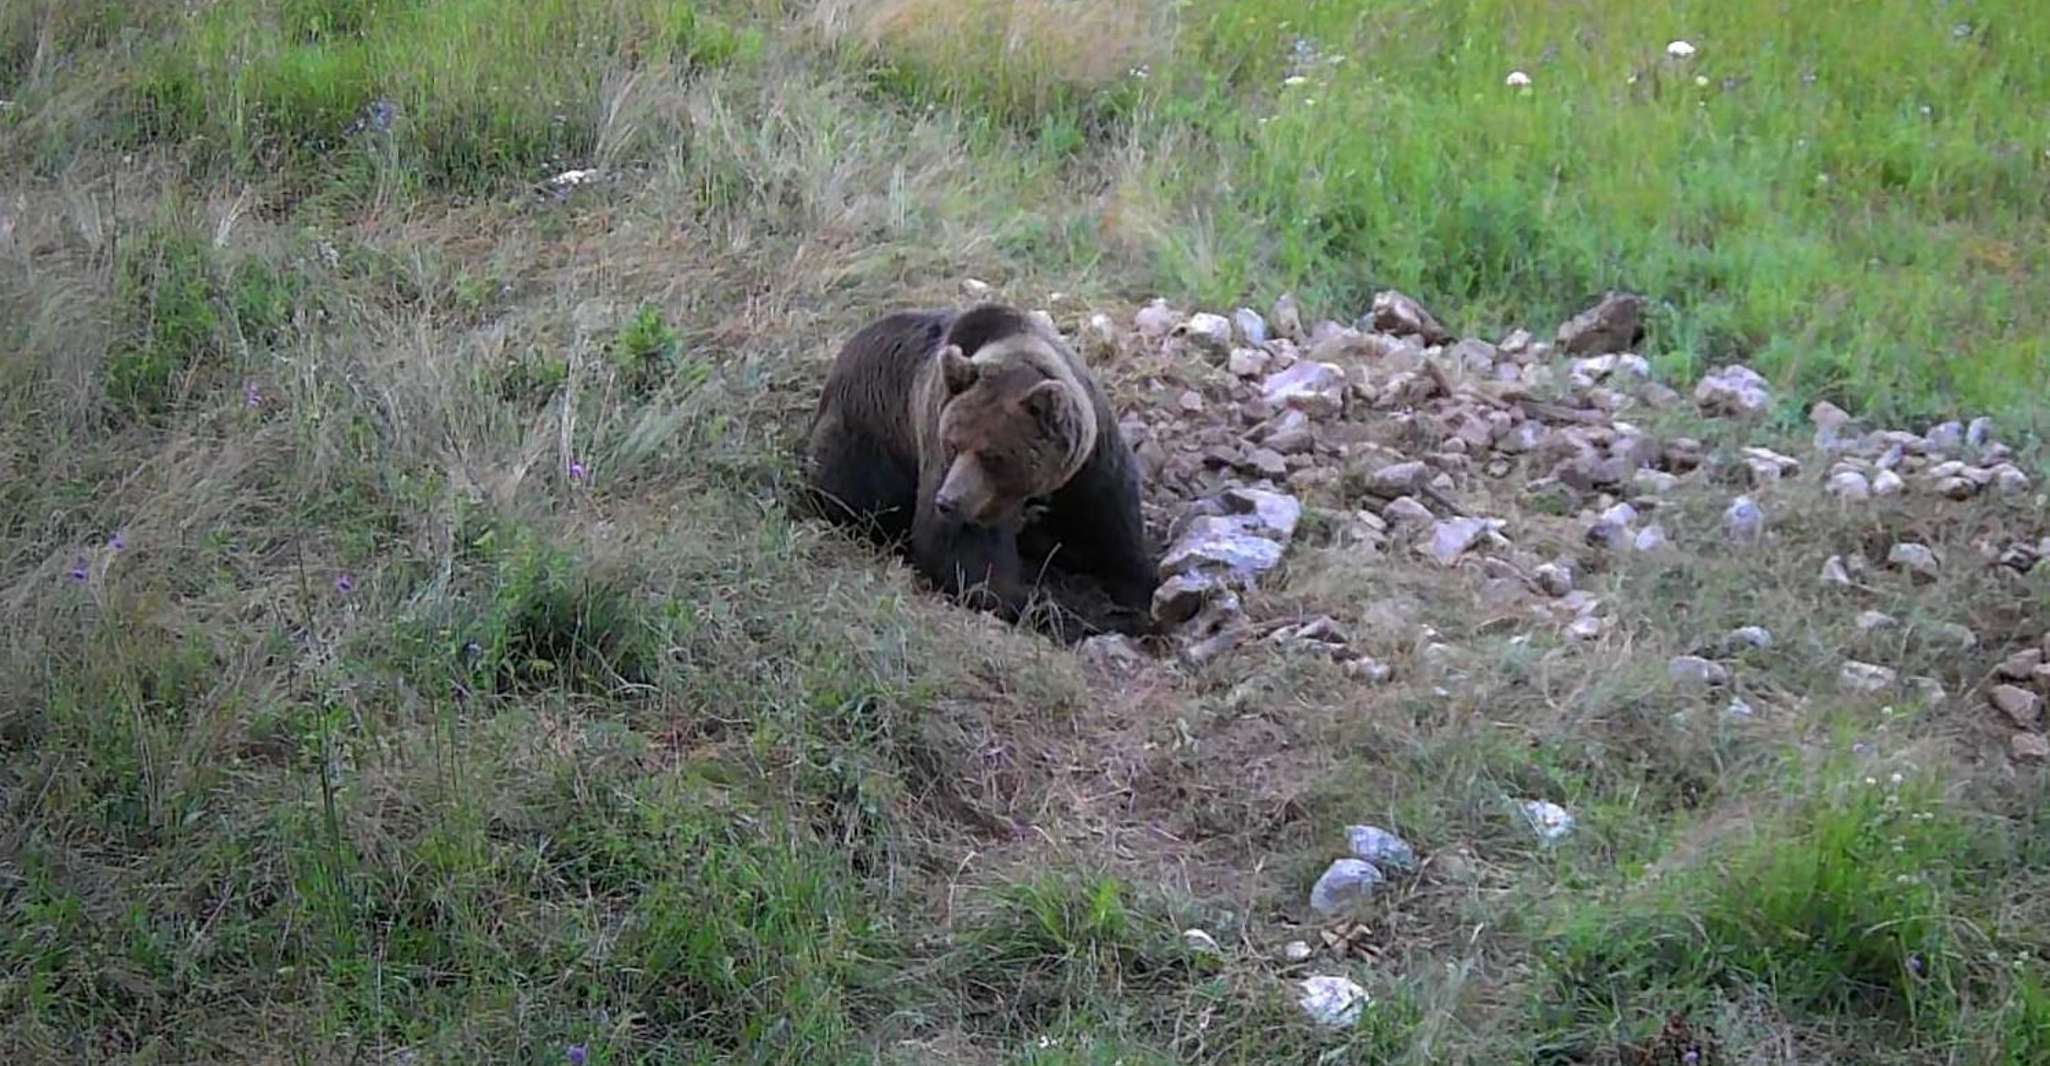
(981, 443)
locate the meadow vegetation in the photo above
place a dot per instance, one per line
(408, 652)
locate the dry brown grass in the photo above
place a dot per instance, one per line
(1032, 47)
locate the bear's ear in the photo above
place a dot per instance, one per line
(956, 370)
(1048, 403)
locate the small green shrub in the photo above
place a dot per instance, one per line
(181, 304)
(2025, 1025)
(165, 292)
(1059, 942)
(646, 350)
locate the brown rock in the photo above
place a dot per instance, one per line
(2029, 747)
(2022, 707)
(2021, 666)
(1267, 463)
(1613, 324)
(1397, 313)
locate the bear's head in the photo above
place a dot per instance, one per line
(1014, 425)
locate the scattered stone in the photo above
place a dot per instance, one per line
(1472, 355)
(1651, 538)
(1345, 882)
(1207, 333)
(1179, 598)
(1584, 628)
(1757, 638)
(2008, 480)
(1396, 479)
(1553, 579)
(1945, 438)
(1248, 362)
(1252, 329)
(1290, 433)
(1333, 1002)
(1404, 510)
(1321, 633)
(1223, 638)
(2022, 707)
(1155, 320)
(1654, 482)
(1739, 709)
(1212, 541)
(1697, 672)
(1876, 621)
(1373, 844)
(2029, 747)
(2022, 665)
(1551, 821)
(1372, 671)
(975, 289)
(1273, 514)
(1614, 324)
(1682, 454)
(1980, 433)
(1451, 538)
(1733, 390)
(1955, 635)
(1287, 317)
(1914, 557)
(1296, 951)
(1865, 677)
(1769, 465)
(1834, 574)
(1522, 437)
(1887, 483)
(1850, 485)
(1268, 463)
(1827, 417)
(1928, 691)
(1396, 313)
(1744, 519)
(1100, 339)
(1317, 388)
(1112, 652)
(1190, 401)
(1609, 534)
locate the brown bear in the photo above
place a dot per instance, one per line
(981, 443)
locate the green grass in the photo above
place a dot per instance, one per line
(409, 651)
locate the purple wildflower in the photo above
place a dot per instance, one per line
(79, 572)
(344, 583)
(117, 542)
(1915, 965)
(251, 397)
(577, 471)
(578, 1055)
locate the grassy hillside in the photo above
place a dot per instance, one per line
(407, 653)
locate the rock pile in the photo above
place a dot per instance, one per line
(1391, 428)
(1384, 421)
(2022, 683)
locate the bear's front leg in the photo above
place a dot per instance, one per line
(976, 564)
